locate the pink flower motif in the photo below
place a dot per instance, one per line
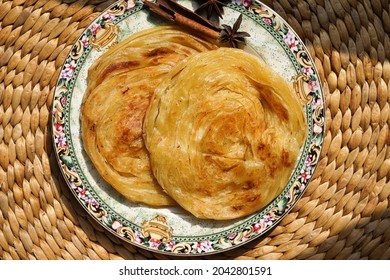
(116, 224)
(82, 191)
(91, 201)
(61, 141)
(316, 103)
(59, 127)
(108, 17)
(69, 69)
(85, 41)
(309, 160)
(307, 70)
(203, 246)
(130, 4)
(317, 129)
(72, 184)
(313, 86)
(267, 21)
(154, 243)
(291, 41)
(257, 227)
(71, 66)
(171, 244)
(247, 3)
(304, 176)
(95, 28)
(63, 101)
(267, 221)
(271, 215)
(137, 237)
(232, 235)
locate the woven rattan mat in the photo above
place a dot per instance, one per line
(345, 212)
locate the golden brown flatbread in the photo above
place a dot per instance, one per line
(120, 85)
(224, 133)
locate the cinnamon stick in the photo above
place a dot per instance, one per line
(172, 11)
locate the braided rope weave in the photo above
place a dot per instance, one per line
(345, 211)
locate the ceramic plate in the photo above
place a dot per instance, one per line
(171, 230)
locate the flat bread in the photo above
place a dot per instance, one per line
(120, 85)
(224, 133)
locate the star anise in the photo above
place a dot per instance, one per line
(213, 6)
(232, 35)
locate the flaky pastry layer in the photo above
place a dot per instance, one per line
(224, 133)
(120, 85)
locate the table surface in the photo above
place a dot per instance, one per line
(345, 211)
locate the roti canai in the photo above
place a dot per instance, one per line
(120, 85)
(223, 132)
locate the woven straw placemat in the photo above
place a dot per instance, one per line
(345, 212)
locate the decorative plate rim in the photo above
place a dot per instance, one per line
(156, 235)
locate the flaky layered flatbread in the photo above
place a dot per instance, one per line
(120, 85)
(224, 133)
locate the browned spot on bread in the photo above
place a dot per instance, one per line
(205, 192)
(252, 198)
(237, 207)
(272, 167)
(117, 66)
(92, 128)
(264, 151)
(249, 185)
(285, 158)
(261, 146)
(130, 125)
(274, 104)
(158, 52)
(281, 111)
